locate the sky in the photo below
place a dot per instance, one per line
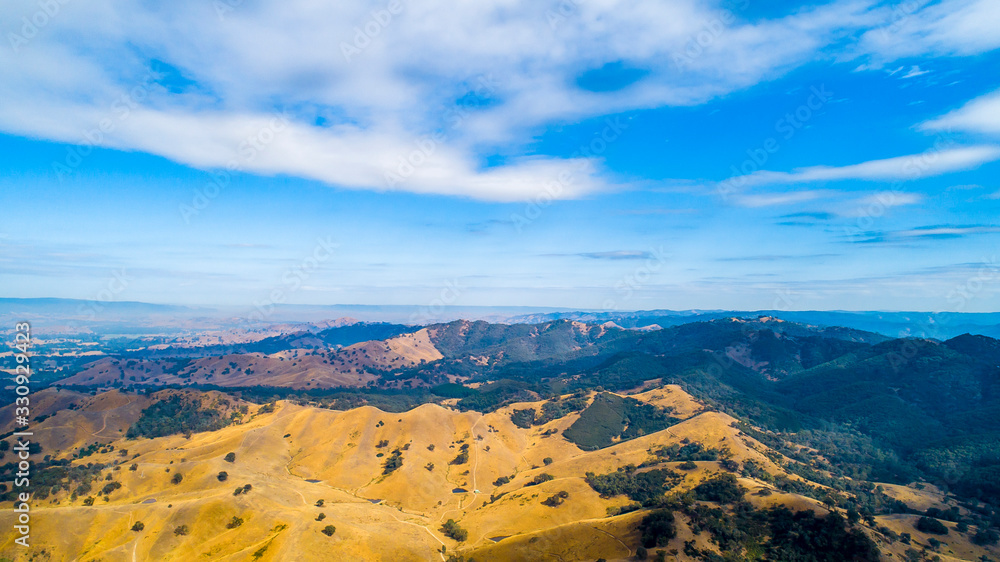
(590, 154)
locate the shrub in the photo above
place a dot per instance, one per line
(174, 415)
(329, 530)
(986, 537)
(721, 489)
(523, 418)
(687, 465)
(556, 499)
(463, 455)
(392, 463)
(181, 530)
(543, 477)
(138, 526)
(658, 528)
(932, 526)
(643, 487)
(452, 530)
(234, 522)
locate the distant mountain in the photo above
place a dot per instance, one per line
(936, 325)
(806, 415)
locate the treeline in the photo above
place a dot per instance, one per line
(176, 414)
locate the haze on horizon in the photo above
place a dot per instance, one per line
(838, 155)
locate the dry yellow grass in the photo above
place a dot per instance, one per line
(296, 368)
(295, 456)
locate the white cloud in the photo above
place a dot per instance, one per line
(946, 28)
(877, 203)
(398, 83)
(901, 168)
(946, 231)
(519, 58)
(981, 115)
(774, 199)
(914, 72)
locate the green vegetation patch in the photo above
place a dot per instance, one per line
(612, 417)
(644, 487)
(174, 415)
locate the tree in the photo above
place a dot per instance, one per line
(223, 476)
(181, 530)
(932, 526)
(721, 489)
(321, 517)
(230, 457)
(452, 530)
(641, 553)
(658, 528)
(138, 526)
(329, 530)
(557, 499)
(319, 503)
(547, 461)
(986, 537)
(234, 522)
(177, 478)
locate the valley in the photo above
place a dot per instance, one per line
(477, 441)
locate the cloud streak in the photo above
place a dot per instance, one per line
(981, 115)
(900, 168)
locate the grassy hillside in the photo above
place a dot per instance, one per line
(697, 488)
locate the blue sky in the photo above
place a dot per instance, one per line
(600, 155)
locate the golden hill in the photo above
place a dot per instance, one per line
(351, 366)
(297, 462)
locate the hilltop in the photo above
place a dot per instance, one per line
(388, 482)
(564, 439)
